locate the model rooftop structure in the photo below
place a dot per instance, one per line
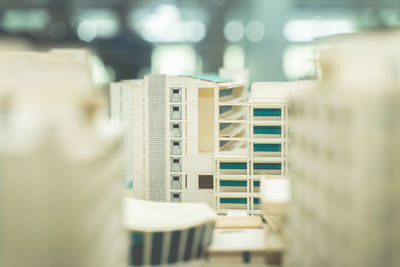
(210, 77)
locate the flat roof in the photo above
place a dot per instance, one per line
(211, 77)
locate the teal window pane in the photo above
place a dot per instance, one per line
(233, 165)
(267, 130)
(223, 109)
(225, 92)
(267, 147)
(232, 183)
(267, 166)
(232, 200)
(224, 125)
(268, 112)
(128, 184)
(222, 143)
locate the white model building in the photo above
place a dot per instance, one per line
(170, 142)
(344, 159)
(60, 175)
(199, 138)
(238, 174)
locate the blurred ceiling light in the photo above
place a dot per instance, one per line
(299, 62)
(17, 20)
(255, 31)
(87, 31)
(169, 12)
(173, 59)
(195, 31)
(160, 27)
(104, 21)
(308, 30)
(165, 25)
(234, 57)
(234, 30)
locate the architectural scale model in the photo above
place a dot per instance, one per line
(60, 173)
(182, 237)
(238, 175)
(170, 140)
(344, 159)
(200, 139)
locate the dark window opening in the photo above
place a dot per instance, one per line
(206, 181)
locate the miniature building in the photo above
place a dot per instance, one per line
(238, 174)
(344, 155)
(170, 127)
(198, 138)
(60, 177)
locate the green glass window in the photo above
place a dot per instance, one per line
(232, 183)
(267, 112)
(267, 147)
(233, 165)
(267, 166)
(267, 130)
(232, 200)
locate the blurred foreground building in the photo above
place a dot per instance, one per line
(344, 153)
(60, 196)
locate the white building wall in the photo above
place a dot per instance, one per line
(130, 103)
(127, 107)
(192, 163)
(157, 163)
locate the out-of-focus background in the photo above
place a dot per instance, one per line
(131, 38)
(314, 160)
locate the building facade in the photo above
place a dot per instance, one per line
(238, 172)
(344, 158)
(170, 141)
(202, 139)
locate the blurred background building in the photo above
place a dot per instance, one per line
(131, 38)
